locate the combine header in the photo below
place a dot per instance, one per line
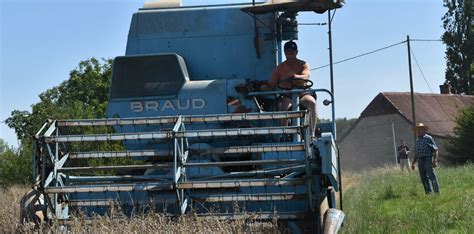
(188, 129)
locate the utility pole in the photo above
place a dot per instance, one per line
(331, 76)
(411, 89)
(394, 143)
(330, 52)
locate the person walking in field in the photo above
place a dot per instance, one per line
(403, 152)
(426, 154)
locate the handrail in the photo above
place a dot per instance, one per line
(168, 135)
(294, 91)
(186, 119)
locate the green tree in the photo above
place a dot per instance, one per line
(460, 147)
(459, 40)
(83, 95)
(342, 125)
(15, 166)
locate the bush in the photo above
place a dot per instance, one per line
(460, 146)
(15, 167)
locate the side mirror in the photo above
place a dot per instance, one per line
(326, 102)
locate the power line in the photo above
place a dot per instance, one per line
(421, 71)
(332, 17)
(426, 40)
(424, 78)
(377, 50)
(361, 55)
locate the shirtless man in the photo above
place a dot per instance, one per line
(292, 67)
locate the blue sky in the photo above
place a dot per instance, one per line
(42, 41)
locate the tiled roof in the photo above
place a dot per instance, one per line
(438, 111)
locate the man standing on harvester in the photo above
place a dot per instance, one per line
(293, 73)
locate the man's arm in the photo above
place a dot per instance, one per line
(415, 158)
(304, 75)
(272, 83)
(432, 143)
(414, 161)
(435, 152)
(400, 149)
(435, 159)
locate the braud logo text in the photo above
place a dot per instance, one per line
(162, 105)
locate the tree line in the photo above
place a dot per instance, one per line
(83, 96)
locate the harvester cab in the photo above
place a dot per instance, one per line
(188, 128)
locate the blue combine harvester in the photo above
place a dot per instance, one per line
(187, 113)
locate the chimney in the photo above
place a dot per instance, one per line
(445, 89)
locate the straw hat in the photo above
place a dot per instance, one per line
(420, 126)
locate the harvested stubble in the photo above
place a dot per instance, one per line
(115, 222)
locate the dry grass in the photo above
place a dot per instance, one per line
(151, 222)
(10, 218)
(351, 178)
(10, 208)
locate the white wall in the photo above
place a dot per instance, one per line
(370, 142)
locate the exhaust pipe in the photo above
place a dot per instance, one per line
(333, 219)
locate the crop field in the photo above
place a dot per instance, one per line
(115, 222)
(392, 201)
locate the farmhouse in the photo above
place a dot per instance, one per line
(371, 141)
